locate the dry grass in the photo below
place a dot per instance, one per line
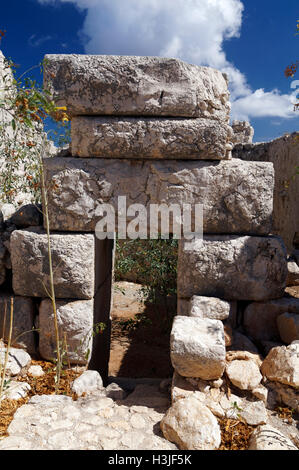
(287, 414)
(235, 434)
(7, 411)
(45, 385)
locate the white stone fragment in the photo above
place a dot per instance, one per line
(282, 365)
(244, 374)
(36, 371)
(17, 360)
(88, 382)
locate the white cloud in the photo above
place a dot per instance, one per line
(263, 104)
(34, 41)
(193, 30)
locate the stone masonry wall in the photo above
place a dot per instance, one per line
(284, 154)
(157, 133)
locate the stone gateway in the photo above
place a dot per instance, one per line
(157, 131)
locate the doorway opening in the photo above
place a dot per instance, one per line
(144, 304)
(136, 299)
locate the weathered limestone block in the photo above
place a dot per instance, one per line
(244, 374)
(112, 137)
(6, 82)
(23, 321)
(15, 390)
(236, 196)
(135, 86)
(260, 318)
(73, 264)
(88, 382)
(254, 413)
(209, 307)
(261, 393)
(243, 132)
(11, 139)
(282, 365)
(283, 153)
(181, 388)
(268, 438)
(288, 327)
(18, 359)
(232, 267)
(75, 319)
(197, 347)
(191, 425)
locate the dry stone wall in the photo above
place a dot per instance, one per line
(156, 131)
(16, 141)
(283, 153)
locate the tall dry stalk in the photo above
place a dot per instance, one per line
(3, 332)
(4, 321)
(3, 371)
(52, 289)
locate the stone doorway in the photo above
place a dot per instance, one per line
(140, 312)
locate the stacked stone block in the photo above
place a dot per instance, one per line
(73, 266)
(156, 131)
(283, 153)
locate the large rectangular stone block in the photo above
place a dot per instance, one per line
(135, 86)
(127, 137)
(197, 347)
(236, 196)
(233, 268)
(72, 258)
(75, 322)
(260, 318)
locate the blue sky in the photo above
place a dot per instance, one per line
(252, 40)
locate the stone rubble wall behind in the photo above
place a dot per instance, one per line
(284, 154)
(7, 89)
